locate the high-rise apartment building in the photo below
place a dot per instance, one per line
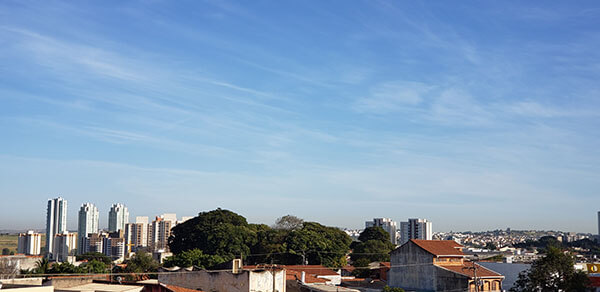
(56, 221)
(387, 224)
(30, 243)
(415, 229)
(160, 230)
(88, 223)
(118, 216)
(93, 242)
(136, 234)
(114, 247)
(64, 244)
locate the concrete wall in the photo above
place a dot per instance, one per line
(23, 281)
(72, 281)
(446, 280)
(246, 281)
(263, 281)
(412, 268)
(23, 262)
(31, 289)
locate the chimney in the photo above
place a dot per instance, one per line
(303, 277)
(237, 266)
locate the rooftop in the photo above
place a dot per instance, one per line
(466, 269)
(98, 287)
(440, 247)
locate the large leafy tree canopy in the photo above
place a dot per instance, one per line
(219, 236)
(98, 256)
(140, 263)
(218, 232)
(374, 245)
(194, 257)
(288, 222)
(318, 244)
(553, 272)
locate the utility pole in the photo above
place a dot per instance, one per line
(475, 281)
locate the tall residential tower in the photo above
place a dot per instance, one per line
(415, 229)
(88, 223)
(118, 216)
(56, 221)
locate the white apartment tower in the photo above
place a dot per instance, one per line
(56, 221)
(387, 224)
(88, 223)
(29, 243)
(415, 229)
(64, 244)
(118, 216)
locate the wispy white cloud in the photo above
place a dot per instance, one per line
(392, 97)
(534, 109)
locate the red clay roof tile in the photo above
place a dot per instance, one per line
(466, 269)
(440, 247)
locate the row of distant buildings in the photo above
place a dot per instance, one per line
(411, 229)
(120, 240)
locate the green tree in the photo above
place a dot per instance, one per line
(98, 256)
(288, 222)
(225, 235)
(218, 232)
(95, 267)
(390, 289)
(553, 272)
(374, 245)
(65, 268)
(270, 246)
(491, 246)
(141, 263)
(374, 233)
(318, 245)
(42, 266)
(194, 257)
(5, 251)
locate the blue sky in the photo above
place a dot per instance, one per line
(475, 115)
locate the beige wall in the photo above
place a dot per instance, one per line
(246, 281)
(23, 281)
(31, 289)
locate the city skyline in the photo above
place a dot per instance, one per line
(76, 221)
(333, 113)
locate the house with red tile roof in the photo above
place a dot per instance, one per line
(438, 265)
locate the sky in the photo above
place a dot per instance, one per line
(475, 115)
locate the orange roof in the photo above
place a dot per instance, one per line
(385, 264)
(179, 289)
(440, 247)
(466, 269)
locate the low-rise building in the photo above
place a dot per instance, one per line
(438, 265)
(266, 280)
